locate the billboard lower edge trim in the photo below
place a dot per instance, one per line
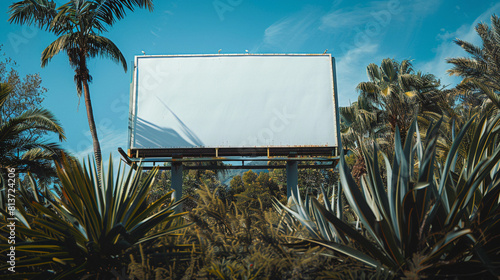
(227, 152)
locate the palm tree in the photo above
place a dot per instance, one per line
(18, 149)
(78, 25)
(361, 119)
(481, 72)
(398, 93)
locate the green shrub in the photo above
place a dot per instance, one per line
(244, 243)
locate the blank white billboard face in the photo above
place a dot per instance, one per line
(233, 101)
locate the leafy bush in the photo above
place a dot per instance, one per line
(251, 189)
(245, 243)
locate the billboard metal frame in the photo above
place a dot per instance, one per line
(176, 159)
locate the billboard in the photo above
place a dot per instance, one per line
(232, 101)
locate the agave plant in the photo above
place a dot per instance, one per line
(86, 229)
(427, 219)
(303, 212)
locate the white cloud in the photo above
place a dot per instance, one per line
(351, 70)
(445, 35)
(366, 24)
(351, 17)
(289, 33)
(156, 35)
(448, 49)
(422, 7)
(374, 11)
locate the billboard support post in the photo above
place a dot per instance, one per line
(292, 179)
(176, 172)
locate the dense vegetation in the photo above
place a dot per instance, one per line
(416, 195)
(23, 124)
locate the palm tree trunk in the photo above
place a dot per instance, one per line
(93, 129)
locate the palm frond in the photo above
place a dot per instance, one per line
(37, 12)
(101, 46)
(117, 9)
(5, 91)
(62, 43)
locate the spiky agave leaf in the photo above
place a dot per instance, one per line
(425, 223)
(88, 227)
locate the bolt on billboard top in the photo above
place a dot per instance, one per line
(233, 101)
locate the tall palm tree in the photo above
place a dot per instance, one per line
(399, 93)
(18, 149)
(78, 25)
(481, 71)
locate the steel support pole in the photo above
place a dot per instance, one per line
(292, 178)
(176, 172)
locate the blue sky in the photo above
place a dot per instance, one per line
(356, 33)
